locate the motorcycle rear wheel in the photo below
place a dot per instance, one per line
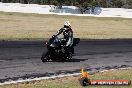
(68, 57)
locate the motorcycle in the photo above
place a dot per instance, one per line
(57, 51)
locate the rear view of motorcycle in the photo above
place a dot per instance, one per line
(57, 51)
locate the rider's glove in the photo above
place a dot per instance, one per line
(53, 36)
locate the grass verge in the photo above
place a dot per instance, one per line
(22, 26)
(72, 82)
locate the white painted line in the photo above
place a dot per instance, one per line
(125, 68)
(104, 71)
(116, 69)
(108, 70)
(41, 78)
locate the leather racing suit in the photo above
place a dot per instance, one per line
(68, 35)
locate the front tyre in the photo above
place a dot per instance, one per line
(45, 56)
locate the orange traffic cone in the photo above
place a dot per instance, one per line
(84, 74)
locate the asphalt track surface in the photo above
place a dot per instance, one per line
(21, 59)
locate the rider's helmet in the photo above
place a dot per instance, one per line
(67, 24)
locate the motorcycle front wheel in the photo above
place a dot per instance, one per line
(45, 56)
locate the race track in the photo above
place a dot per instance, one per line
(21, 59)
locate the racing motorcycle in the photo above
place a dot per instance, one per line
(57, 51)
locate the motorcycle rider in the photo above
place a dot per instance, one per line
(68, 35)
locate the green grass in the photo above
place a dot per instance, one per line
(72, 82)
(20, 26)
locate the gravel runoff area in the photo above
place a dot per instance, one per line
(66, 10)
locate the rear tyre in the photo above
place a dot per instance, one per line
(68, 56)
(72, 50)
